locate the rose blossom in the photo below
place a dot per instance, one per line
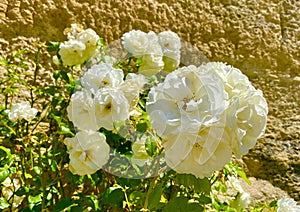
(81, 46)
(132, 87)
(80, 111)
(287, 204)
(246, 103)
(72, 52)
(20, 111)
(100, 76)
(136, 42)
(88, 152)
(110, 105)
(170, 43)
(188, 111)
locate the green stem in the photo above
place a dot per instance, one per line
(151, 187)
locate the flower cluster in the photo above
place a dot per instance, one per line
(20, 111)
(104, 98)
(158, 52)
(204, 114)
(80, 47)
(201, 114)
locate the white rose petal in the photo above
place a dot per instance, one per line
(89, 37)
(248, 105)
(88, 152)
(110, 105)
(22, 110)
(186, 99)
(100, 76)
(170, 43)
(72, 52)
(136, 42)
(200, 154)
(242, 201)
(81, 111)
(132, 87)
(287, 204)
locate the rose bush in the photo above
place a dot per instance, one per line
(142, 132)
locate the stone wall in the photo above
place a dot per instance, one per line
(261, 37)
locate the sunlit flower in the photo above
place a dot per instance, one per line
(88, 152)
(287, 204)
(80, 47)
(246, 103)
(241, 201)
(110, 105)
(72, 52)
(188, 111)
(100, 76)
(199, 154)
(170, 43)
(136, 42)
(132, 87)
(20, 111)
(186, 100)
(80, 111)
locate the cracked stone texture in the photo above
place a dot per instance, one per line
(260, 37)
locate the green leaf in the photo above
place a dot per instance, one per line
(182, 204)
(190, 181)
(38, 170)
(155, 197)
(142, 127)
(137, 197)
(151, 147)
(65, 131)
(22, 191)
(4, 173)
(52, 46)
(63, 204)
(3, 203)
(65, 76)
(113, 195)
(204, 200)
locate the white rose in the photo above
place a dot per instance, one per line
(199, 154)
(72, 52)
(100, 76)
(152, 60)
(235, 82)
(89, 37)
(170, 43)
(132, 87)
(110, 105)
(81, 111)
(248, 109)
(242, 201)
(20, 111)
(287, 204)
(251, 120)
(187, 99)
(88, 152)
(136, 42)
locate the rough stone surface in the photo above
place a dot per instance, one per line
(261, 37)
